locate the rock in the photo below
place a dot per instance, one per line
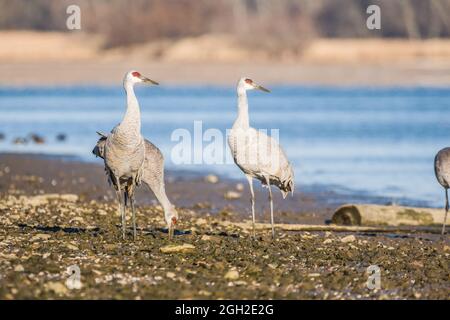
(77, 219)
(40, 236)
(19, 268)
(313, 275)
(232, 275)
(211, 178)
(69, 197)
(56, 287)
(170, 275)
(232, 195)
(6, 256)
(204, 293)
(205, 237)
(201, 221)
(185, 247)
(20, 140)
(37, 138)
(102, 212)
(61, 137)
(72, 247)
(327, 241)
(348, 239)
(240, 187)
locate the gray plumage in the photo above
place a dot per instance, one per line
(152, 175)
(124, 150)
(442, 171)
(258, 155)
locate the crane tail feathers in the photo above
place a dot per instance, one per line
(99, 149)
(286, 187)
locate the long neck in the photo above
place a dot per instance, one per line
(242, 120)
(132, 118)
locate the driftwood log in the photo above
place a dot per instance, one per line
(378, 215)
(334, 228)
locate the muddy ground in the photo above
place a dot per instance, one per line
(41, 235)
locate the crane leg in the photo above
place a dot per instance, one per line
(446, 212)
(133, 212)
(121, 208)
(271, 206)
(252, 200)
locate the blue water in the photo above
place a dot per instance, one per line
(381, 141)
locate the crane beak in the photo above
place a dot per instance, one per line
(261, 88)
(147, 80)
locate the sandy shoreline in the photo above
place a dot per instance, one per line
(51, 58)
(225, 74)
(58, 213)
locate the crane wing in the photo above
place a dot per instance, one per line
(260, 156)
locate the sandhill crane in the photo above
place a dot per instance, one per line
(258, 155)
(442, 171)
(124, 151)
(152, 176)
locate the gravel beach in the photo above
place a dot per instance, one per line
(59, 213)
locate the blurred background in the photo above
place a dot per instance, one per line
(358, 110)
(411, 47)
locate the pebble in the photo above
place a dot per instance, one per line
(78, 219)
(348, 239)
(327, 241)
(201, 221)
(232, 275)
(240, 187)
(185, 247)
(313, 275)
(56, 287)
(211, 178)
(40, 236)
(61, 137)
(19, 268)
(72, 247)
(232, 195)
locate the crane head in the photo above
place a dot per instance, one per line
(248, 84)
(136, 77)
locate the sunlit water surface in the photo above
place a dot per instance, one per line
(376, 141)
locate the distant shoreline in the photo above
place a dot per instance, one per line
(89, 73)
(51, 58)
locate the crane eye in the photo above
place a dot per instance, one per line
(136, 74)
(249, 81)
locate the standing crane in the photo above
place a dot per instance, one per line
(258, 155)
(442, 171)
(124, 151)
